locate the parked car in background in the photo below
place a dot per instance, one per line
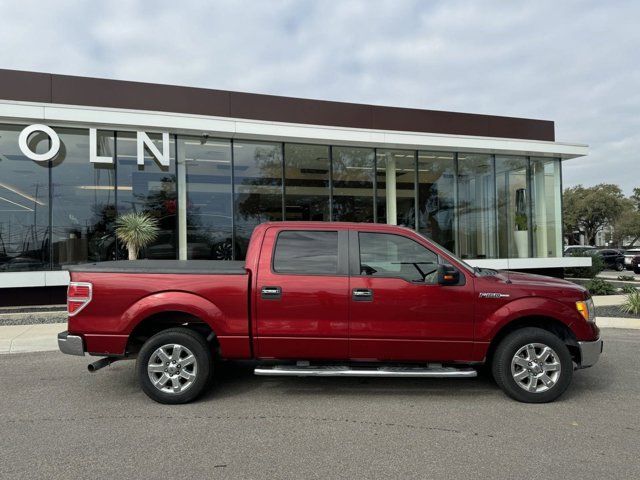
(628, 257)
(576, 250)
(635, 264)
(22, 264)
(612, 258)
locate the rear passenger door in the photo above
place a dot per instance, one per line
(302, 296)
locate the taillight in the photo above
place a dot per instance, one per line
(78, 296)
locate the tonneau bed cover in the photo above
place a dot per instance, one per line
(201, 267)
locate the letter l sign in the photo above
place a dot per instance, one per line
(93, 148)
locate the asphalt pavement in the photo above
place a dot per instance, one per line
(57, 421)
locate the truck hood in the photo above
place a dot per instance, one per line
(531, 281)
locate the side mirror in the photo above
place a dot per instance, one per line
(448, 275)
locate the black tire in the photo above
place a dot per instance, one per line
(619, 267)
(505, 353)
(636, 271)
(188, 339)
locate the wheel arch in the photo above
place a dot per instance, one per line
(160, 321)
(544, 322)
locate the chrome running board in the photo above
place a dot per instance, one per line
(436, 371)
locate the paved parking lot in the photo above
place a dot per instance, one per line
(59, 421)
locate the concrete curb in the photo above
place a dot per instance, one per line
(608, 300)
(44, 337)
(618, 322)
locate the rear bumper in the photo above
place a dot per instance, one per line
(70, 344)
(590, 352)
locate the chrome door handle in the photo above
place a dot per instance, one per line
(271, 293)
(362, 295)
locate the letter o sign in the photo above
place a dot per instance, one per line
(39, 157)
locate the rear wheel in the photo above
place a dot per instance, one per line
(174, 366)
(532, 365)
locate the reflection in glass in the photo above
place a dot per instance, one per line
(513, 208)
(148, 188)
(24, 204)
(387, 255)
(306, 182)
(436, 197)
(208, 210)
(83, 200)
(396, 177)
(353, 177)
(257, 169)
(546, 199)
(476, 206)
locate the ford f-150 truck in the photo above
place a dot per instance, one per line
(331, 299)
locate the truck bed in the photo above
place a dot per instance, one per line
(201, 267)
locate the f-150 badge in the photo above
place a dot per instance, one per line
(493, 295)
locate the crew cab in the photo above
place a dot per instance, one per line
(331, 299)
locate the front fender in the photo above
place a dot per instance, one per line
(488, 328)
(174, 301)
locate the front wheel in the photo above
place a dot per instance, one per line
(174, 366)
(619, 267)
(532, 365)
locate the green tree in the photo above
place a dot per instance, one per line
(628, 223)
(635, 198)
(589, 209)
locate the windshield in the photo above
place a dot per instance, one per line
(451, 254)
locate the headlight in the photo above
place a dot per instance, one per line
(587, 309)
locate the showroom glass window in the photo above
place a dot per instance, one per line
(476, 206)
(353, 183)
(257, 168)
(547, 207)
(209, 203)
(83, 200)
(513, 206)
(151, 189)
(24, 204)
(396, 182)
(306, 182)
(436, 197)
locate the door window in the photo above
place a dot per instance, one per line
(388, 255)
(306, 253)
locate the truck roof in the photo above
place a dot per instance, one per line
(334, 225)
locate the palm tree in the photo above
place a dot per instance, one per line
(136, 231)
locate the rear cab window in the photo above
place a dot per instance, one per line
(306, 252)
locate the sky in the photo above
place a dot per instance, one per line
(574, 62)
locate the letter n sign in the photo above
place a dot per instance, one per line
(144, 140)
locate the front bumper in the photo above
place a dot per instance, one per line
(70, 344)
(590, 352)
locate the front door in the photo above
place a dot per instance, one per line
(302, 297)
(398, 310)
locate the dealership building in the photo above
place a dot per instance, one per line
(210, 165)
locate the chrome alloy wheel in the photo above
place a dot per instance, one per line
(536, 367)
(172, 368)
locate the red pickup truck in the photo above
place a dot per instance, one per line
(331, 299)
